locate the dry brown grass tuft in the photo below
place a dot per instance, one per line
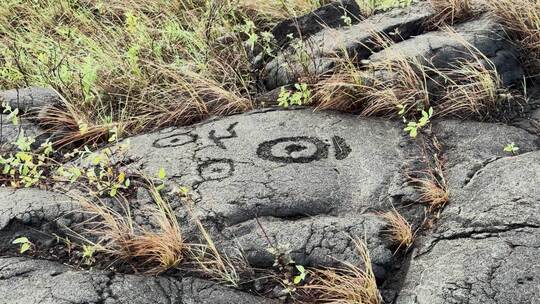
(209, 260)
(150, 250)
(379, 90)
(522, 19)
(432, 185)
(472, 88)
(400, 231)
(397, 81)
(350, 284)
(70, 127)
(450, 12)
(341, 91)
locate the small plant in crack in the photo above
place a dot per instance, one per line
(511, 148)
(24, 244)
(414, 126)
(162, 175)
(88, 254)
(432, 185)
(347, 284)
(347, 20)
(25, 167)
(289, 273)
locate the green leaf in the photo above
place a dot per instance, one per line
(21, 240)
(24, 247)
(414, 133)
(184, 190)
(297, 279)
(161, 173)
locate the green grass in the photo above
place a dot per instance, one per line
(137, 65)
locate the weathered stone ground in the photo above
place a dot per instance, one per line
(314, 180)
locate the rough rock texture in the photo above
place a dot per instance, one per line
(10, 132)
(286, 168)
(313, 181)
(32, 98)
(33, 206)
(323, 47)
(407, 27)
(444, 48)
(327, 16)
(30, 102)
(44, 282)
(485, 246)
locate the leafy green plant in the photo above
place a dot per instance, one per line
(301, 277)
(102, 170)
(162, 175)
(88, 254)
(401, 109)
(24, 243)
(300, 96)
(13, 114)
(23, 167)
(249, 30)
(512, 148)
(347, 20)
(413, 127)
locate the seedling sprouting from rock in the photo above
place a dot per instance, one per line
(24, 243)
(161, 175)
(512, 148)
(413, 126)
(301, 277)
(88, 254)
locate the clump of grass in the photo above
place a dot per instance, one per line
(342, 90)
(349, 284)
(522, 19)
(397, 81)
(432, 184)
(150, 250)
(450, 12)
(380, 90)
(472, 88)
(209, 260)
(400, 230)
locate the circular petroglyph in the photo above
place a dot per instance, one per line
(175, 140)
(216, 169)
(301, 149)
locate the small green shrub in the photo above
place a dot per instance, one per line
(512, 148)
(300, 96)
(413, 127)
